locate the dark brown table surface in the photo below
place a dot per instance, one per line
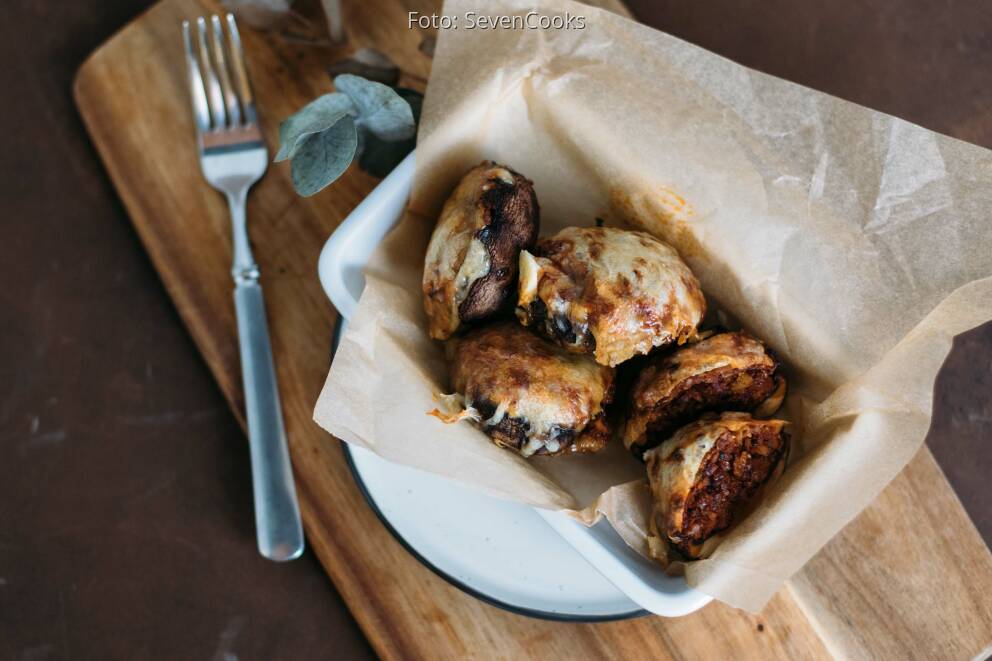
(126, 528)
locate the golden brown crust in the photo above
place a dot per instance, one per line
(530, 395)
(609, 292)
(470, 268)
(705, 473)
(727, 371)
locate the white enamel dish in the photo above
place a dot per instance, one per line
(530, 561)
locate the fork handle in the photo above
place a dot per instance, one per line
(277, 514)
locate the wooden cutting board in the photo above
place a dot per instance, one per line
(909, 578)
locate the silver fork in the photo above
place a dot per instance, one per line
(233, 157)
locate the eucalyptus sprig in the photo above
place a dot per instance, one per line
(362, 120)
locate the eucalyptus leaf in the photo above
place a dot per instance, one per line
(324, 156)
(315, 117)
(379, 108)
(378, 157)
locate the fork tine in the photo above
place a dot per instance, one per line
(215, 98)
(201, 115)
(230, 98)
(240, 71)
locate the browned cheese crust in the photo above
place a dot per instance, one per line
(705, 473)
(530, 395)
(724, 372)
(609, 292)
(470, 268)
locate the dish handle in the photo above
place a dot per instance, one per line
(341, 266)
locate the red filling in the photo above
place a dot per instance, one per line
(732, 471)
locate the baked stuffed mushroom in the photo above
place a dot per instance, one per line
(608, 292)
(724, 372)
(526, 393)
(471, 265)
(704, 474)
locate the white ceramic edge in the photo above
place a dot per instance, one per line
(645, 583)
(340, 264)
(342, 258)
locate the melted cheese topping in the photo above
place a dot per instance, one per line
(455, 258)
(475, 265)
(530, 275)
(452, 408)
(628, 289)
(528, 379)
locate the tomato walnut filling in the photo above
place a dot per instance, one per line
(704, 475)
(727, 371)
(527, 394)
(731, 473)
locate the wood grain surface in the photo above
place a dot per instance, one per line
(909, 578)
